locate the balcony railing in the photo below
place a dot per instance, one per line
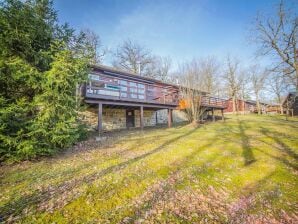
(214, 102)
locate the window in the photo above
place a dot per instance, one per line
(132, 84)
(112, 93)
(111, 86)
(123, 82)
(141, 86)
(94, 77)
(123, 94)
(133, 90)
(123, 88)
(141, 97)
(141, 91)
(107, 92)
(133, 96)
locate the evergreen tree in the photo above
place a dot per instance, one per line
(41, 63)
(57, 123)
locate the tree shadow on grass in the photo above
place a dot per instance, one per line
(281, 145)
(283, 160)
(249, 197)
(247, 152)
(264, 193)
(171, 183)
(16, 207)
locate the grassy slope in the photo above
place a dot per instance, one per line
(241, 170)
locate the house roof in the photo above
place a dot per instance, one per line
(123, 73)
(128, 74)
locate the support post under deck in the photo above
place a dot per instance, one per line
(222, 115)
(213, 118)
(170, 118)
(99, 121)
(142, 117)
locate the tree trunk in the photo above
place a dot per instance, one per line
(195, 123)
(297, 76)
(234, 104)
(296, 66)
(281, 110)
(258, 104)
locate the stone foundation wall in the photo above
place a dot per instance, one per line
(178, 116)
(162, 116)
(89, 117)
(112, 118)
(116, 118)
(149, 118)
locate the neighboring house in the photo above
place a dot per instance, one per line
(242, 106)
(275, 108)
(290, 103)
(245, 106)
(120, 99)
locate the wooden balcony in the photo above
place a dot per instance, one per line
(114, 89)
(132, 89)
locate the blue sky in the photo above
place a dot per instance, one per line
(179, 29)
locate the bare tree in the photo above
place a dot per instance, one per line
(233, 80)
(257, 78)
(209, 68)
(278, 35)
(162, 68)
(94, 42)
(191, 84)
(134, 58)
(277, 85)
(244, 90)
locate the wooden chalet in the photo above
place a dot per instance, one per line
(112, 88)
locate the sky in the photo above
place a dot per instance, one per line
(179, 29)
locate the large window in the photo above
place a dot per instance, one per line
(133, 96)
(123, 82)
(132, 84)
(141, 91)
(101, 84)
(93, 77)
(123, 88)
(133, 90)
(123, 94)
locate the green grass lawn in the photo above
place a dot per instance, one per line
(243, 170)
